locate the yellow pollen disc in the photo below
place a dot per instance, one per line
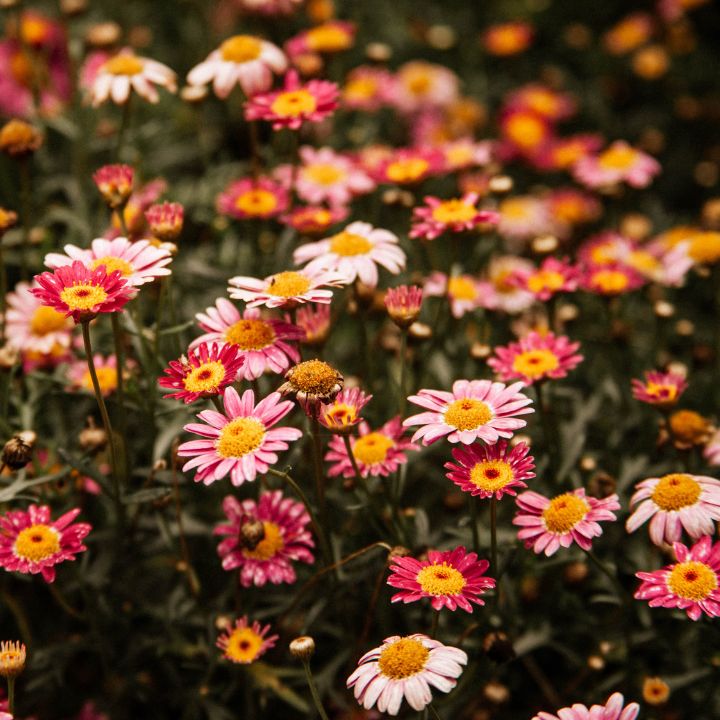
(676, 491)
(251, 334)
(610, 282)
(46, 320)
(240, 49)
(617, 158)
(461, 288)
(545, 280)
(458, 155)
(542, 102)
(112, 264)
(328, 38)
(107, 379)
(124, 65)
(256, 202)
(402, 659)
(525, 130)
(205, 378)
(491, 475)
(83, 296)
(454, 211)
(535, 363)
(37, 543)
(705, 247)
(692, 580)
(271, 544)
(441, 579)
(408, 170)
(360, 89)
(240, 437)
(564, 513)
(569, 154)
(667, 393)
(372, 448)
(689, 426)
(502, 281)
(507, 40)
(294, 103)
(418, 82)
(243, 645)
(314, 377)
(323, 173)
(516, 209)
(643, 261)
(468, 414)
(348, 244)
(288, 284)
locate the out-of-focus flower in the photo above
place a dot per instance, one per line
(314, 220)
(524, 132)
(420, 85)
(250, 199)
(165, 220)
(105, 368)
(366, 88)
(629, 34)
(464, 292)
(571, 206)
(655, 691)
(504, 291)
(506, 39)
(704, 247)
(408, 166)
(12, 663)
(269, 7)
(134, 211)
(244, 643)
(8, 219)
(617, 164)
(466, 153)
(662, 389)
(711, 451)
(611, 279)
(454, 216)
(315, 320)
(523, 217)
(115, 183)
(403, 304)
(563, 153)
(542, 100)
(614, 709)
(552, 277)
(343, 413)
(328, 38)
(689, 429)
(18, 138)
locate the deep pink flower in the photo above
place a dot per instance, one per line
(252, 199)
(243, 643)
(614, 709)
(454, 216)
(662, 389)
(343, 413)
(618, 163)
(115, 183)
(403, 304)
(165, 220)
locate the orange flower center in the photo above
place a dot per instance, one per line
(323, 173)
(251, 334)
(610, 282)
(454, 211)
(205, 378)
(124, 64)
(241, 49)
(403, 658)
(288, 284)
(618, 157)
(328, 38)
(46, 320)
(468, 414)
(564, 513)
(692, 580)
(535, 363)
(407, 170)
(525, 130)
(107, 379)
(491, 475)
(243, 645)
(294, 103)
(545, 280)
(676, 491)
(37, 543)
(348, 244)
(441, 579)
(256, 202)
(314, 377)
(83, 296)
(372, 448)
(239, 437)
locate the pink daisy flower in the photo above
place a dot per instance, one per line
(524, 217)
(403, 304)
(265, 538)
(287, 289)
(536, 357)
(82, 293)
(295, 104)
(524, 133)
(614, 709)
(366, 88)
(419, 84)
(405, 668)
(466, 153)
(618, 163)
(343, 413)
(549, 524)
(675, 502)
(241, 60)
(562, 153)
(314, 220)
(252, 199)
(475, 409)
(243, 643)
(105, 368)
(206, 370)
(504, 293)
(30, 542)
(552, 277)
(377, 452)
(453, 579)
(241, 442)
(491, 470)
(355, 253)
(330, 37)
(165, 220)
(711, 451)
(454, 216)
(662, 389)
(464, 292)
(263, 343)
(692, 584)
(408, 166)
(115, 183)
(611, 279)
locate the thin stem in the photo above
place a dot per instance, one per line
(434, 712)
(550, 432)
(215, 400)
(63, 603)
(11, 695)
(474, 523)
(255, 158)
(619, 589)
(353, 461)
(124, 124)
(434, 624)
(314, 691)
(318, 464)
(184, 551)
(493, 534)
(403, 365)
(3, 293)
(119, 367)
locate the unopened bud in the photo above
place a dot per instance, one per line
(302, 647)
(17, 452)
(12, 658)
(498, 647)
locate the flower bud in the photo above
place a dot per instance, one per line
(302, 648)
(12, 658)
(18, 138)
(17, 452)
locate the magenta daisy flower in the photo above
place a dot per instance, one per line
(691, 584)
(618, 163)
(409, 166)
(611, 279)
(614, 709)
(453, 579)
(82, 293)
(475, 409)
(244, 643)
(675, 502)
(454, 216)
(491, 470)
(343, 413)
(536, 357)
(549, 524)
(405, 667)
(355, 253)
(253, 199)
(265, 538)
(552, 277)
(662, 389)
(240, 443)
(264, 343)
(376, 452)
(295, 104)
(30, 542)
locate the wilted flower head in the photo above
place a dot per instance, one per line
(311, 383)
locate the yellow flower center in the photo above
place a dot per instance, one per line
(458, 155)
(545, 280)
(256, 202)
(491, 475)
(251, 334)
(525, 130)
(564, 513)
(502, 280)
(468, 414)
(107, 379)
(288, 284)
(372, 448)
(705, 247)
(461, 288)
(324, 173)
(112, 264)
(610, 282)
(643, 261)
(418, 82)
(441, 579)
(83, 296)
(453, 211)
(243, 645)
(407, 170)
(240, 49)
(46, 320)
(516, 208)
(692, 580)
(617, 158)
(271, 544)
(37, 543)
(314, 377)
(328, 38)
(360, 88)
(660, 391)
(205, 378)
(676, 491)
(294, 103)
(124, 65)
(507, 40)
(568, 154)
(689, 426)
(340, 416)
(402, 659)
(348, 244)
(239, 437)
(535, 363)
(542, 102)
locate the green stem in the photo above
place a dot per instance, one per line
(353, 461)
(11, 695)
(314, 691)
(434, 712)
(550, 431)
(434, 624)
(120, 365)
(403, 371)
(619, 589)
(3, 293)
(474, 523)
(124, 124)
(63, 603)
(493, 534)
(318, 464)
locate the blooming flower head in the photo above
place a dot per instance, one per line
(548, 524)
(552, 277)
(20, 139)
(464, 292)
(124, 72)
(662, 389)
(630, 33)
(312, 383)
(405, 667)
(491, 470)
(440, 216)
(403, 304)
(376, 452)
(241, 442)
(613, 709)
(330, 37)
(506, 39)
(523, 217)
(536, 357)
(30, 542)
(504, 291)
(453, 579)
(524, 132)
(571, 206)
(251, 199)
(542, 100)
(242, 60)
(263, 343)
(611, 280)
(82, 293)
(562, 153)
(105, 368)
(264, 538)
(655, 691)
(115, 183)
(314, 319)
(204, 372)
(354, 253)
(343, 413)
(618, 163)
(466, 153)
(314, 220)
(420, 85)
(675, 502)
(689, 429)
(12, 663)
(366, 88)
(244, 643)
(295, 104)
(475, 409)
(408, 166)
(691, 584)
(165, 220)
